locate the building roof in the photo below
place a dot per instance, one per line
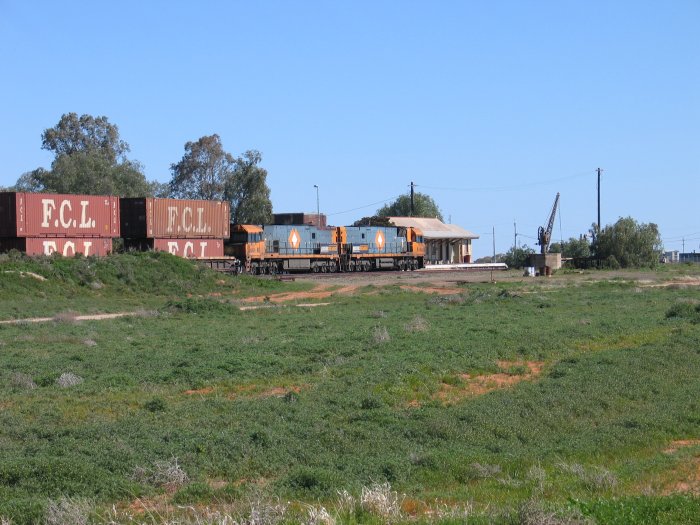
(434, 228)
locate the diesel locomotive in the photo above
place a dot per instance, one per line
(272, 249)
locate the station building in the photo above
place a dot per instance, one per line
(444, 243)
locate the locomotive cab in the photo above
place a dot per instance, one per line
(246, 243)
(416, 242)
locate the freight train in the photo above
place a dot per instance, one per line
(44, 224)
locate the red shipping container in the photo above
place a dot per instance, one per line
(188, 248)
(149, 218)
(53, 215)
(66, 246)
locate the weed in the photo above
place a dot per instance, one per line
(378, 314)
(22, 381)
(156, 404)
(345, 503)
(68, 379)
(446, 300)
(689, 310)
(318, 515)
(162, 474)
(66, 317)
(485, 471)
(264, 512)
(461, 513)
(595, 478)
(379, 499)
(90, 342)
(68, 511)
(538, 475)
(417, 324)
(380, 335)
(532, 512)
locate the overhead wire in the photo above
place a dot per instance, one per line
(365, 206)
(506, 188)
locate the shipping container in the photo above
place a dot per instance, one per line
(66, 246)
(53, 215)
(149, 218)
(188, 248)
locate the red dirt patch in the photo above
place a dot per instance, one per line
(674, 446)
(202, 391)
(689, 482)
(321, 291)
(482, 384)
(253, 391)
(431, 289)
(143, 505)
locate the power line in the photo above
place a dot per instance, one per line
(505, 188)
(365, 206)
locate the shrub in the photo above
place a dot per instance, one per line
(417, 324)
(163, 473)
(380, 335)
(684, 310)
(23, 381)
(154, 405)
(68, 379)
(68, 511)
(533, 512)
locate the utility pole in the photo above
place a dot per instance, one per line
(413, 209)
(683, 244)
(318, 208)
(598, 170)
(493, 236)
(515, 237)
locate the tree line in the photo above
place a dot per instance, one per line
(91, 158)
(624, 244)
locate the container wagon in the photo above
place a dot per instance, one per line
(58, 215)
(151, 218)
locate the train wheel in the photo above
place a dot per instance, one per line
(333, 267)
(316, 268)
(324, 268)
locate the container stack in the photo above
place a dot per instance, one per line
(44, 223)
(188, 228)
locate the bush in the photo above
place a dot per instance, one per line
(684, 310)
(197, 492)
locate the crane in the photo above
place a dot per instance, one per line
(544, 235)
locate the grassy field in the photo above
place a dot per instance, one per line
(569, 399)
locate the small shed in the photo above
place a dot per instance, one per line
(444, 243)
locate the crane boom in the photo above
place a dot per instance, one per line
(544, 235)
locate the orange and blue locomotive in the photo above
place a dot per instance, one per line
(272, 249)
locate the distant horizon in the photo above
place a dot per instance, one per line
(491, 109)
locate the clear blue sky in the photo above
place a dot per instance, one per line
(489, 107)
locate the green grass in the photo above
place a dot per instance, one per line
(302, 402)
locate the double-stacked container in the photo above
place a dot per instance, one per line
(46, 223)
(187, 228)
